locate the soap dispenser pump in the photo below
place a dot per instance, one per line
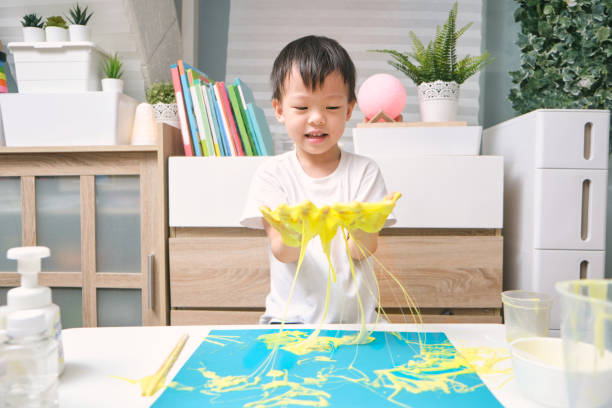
(30, 295)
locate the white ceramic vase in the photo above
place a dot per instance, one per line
(79, 32)
(33, 34)
(144, 130)
(112, 85)
(56, 34)
(438, 101)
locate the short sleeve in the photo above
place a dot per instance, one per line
(372, 188)
(265, 189)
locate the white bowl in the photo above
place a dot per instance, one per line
(538, 370)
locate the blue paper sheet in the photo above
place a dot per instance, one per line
(235, 368)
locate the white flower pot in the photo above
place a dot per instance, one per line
(166, 113)
(33, 34)
(56, 34)
(79, 32)
(112, 85)
(438, 101)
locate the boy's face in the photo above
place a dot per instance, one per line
(315, 120)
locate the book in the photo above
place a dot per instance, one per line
(247, 124)
(211, 120)
(224, 125)
(180, 104)
(223, 148)
(208, 148)
(230, 119)
(262, 131)
(236, 105)
(246, 95)
(193, 126)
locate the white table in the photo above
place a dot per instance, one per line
(94, 355)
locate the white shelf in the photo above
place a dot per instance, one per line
(438, 191)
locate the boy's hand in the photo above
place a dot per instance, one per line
(288, 228)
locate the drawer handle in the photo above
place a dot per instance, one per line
(584, 222)
(588, 127)
(150, 261)
(584, 269)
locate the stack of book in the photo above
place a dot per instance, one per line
(218, 119)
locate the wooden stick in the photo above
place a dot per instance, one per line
(151, 384)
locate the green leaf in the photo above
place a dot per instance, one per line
(602, 33)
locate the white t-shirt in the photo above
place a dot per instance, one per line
(282, 180)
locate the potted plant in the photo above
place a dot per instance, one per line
(161, 96)
(78, 29)
(112, 69)
(32, 26)
(56, 29)
(436, 71)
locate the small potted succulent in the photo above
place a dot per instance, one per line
(32, 26)
(113, 72)
(161, 96)
(56, 29)
(78, 19)
(437, 73)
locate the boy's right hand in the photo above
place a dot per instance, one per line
(290, 228)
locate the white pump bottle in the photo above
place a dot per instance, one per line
(30, 295)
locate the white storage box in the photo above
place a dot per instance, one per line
(417, 140)
(57, 66)
(78, 119)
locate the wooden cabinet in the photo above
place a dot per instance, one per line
(102, 210)
(221, 275)
(446, 250)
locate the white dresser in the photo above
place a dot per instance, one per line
(555, 180)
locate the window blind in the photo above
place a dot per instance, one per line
(258, 30)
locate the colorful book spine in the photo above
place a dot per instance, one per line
(195, 135)
(211, 121)
(180, 103)
(261, 128)
(235, 104)
(223, 150)
(202, 118)
(225, 129)
(230, 119)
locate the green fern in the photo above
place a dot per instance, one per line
(32, 20)
(438, 60)
(112, 67)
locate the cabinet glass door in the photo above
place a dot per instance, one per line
(10, 219)
(58, 222)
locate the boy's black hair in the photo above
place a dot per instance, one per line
(315, 57)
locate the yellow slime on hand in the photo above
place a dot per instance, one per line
(298, 224)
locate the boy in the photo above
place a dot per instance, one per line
(313, 80)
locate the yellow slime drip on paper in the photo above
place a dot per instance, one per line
(150, 384)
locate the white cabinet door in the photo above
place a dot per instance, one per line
(559, 219)
(550, 267)
(574, 139)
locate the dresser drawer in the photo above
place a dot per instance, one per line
(438, 268)
(441, 271)
(218, 271)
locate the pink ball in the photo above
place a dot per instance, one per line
(381, 92)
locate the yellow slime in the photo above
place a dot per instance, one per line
(300, 223)
(150, 384)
